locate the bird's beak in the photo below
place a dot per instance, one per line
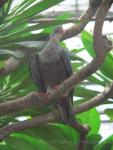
(61, 30)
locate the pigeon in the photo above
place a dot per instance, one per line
(51, 67)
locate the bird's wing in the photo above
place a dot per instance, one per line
(66, 60)
(35, 71)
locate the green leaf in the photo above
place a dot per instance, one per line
(22, 6)
(29, 12)
(19, 141)
(58, 21)
(87, 40)
(4, 146)
(60, 136)
(21, 37)
(95, 80)
(109, 113)
(106, 144)
(24, 27)
(75, 57)
(92, 119)
(92, 141)
(105, 69)
(37, 8)
(84, 92)
(17, 84)
(17, 54)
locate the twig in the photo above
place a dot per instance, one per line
(70, 20)
(97, 100)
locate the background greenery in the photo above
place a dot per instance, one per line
(15, 29)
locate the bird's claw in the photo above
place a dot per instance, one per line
(56, 88)
(44, 95)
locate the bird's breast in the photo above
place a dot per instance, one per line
(53, 73)
(49, 55)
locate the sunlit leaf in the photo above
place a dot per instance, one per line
(92, 119)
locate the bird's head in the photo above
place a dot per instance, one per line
(57, 34)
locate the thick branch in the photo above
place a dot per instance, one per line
(101, 44)
(54, 116)
(40, 100)
(77, 28)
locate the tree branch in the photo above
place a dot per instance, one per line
(97, 100)
(35, 98)
(74, 30)
(84, 19)
(68, 84)
(54, 116)
(70, 20)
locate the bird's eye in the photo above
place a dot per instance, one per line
(59, 30)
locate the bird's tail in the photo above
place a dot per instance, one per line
(66, 110)
(67, 115)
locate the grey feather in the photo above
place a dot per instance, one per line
(35, 72)
(66, 59)
(50, 69)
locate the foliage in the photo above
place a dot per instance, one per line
(15, 29)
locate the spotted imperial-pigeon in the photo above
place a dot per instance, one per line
(50, 68)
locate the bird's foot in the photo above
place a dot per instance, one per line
(56, 88)
(44, 95)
